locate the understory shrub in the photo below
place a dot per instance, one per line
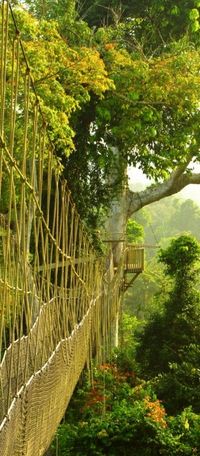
(121, 416)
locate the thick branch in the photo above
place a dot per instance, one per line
(176, 182)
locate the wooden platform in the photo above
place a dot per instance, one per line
(133, 264)
(134, 259)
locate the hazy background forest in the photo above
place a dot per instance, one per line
(155, 226)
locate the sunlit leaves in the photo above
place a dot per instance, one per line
(153, 110)
(64, 77)
(133, 84)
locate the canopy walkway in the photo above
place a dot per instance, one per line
(58, 301)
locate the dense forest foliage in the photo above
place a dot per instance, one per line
(116, 76)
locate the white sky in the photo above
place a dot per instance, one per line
(191, 191)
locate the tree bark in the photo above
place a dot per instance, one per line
(171, 186)
(115, 226)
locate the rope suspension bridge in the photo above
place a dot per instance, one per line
(57, 301)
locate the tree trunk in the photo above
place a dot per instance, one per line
(115, 225)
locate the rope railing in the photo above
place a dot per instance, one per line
(57, 304)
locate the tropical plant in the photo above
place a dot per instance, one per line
(169, 344)
(120, 415)
(106, 91)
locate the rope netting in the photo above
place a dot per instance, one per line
(57, 304)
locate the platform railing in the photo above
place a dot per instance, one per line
(134, 258)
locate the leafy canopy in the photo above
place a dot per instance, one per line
(132, 82)
(181, 256)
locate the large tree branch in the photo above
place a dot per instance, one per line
(194, 178)
(177, 181)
